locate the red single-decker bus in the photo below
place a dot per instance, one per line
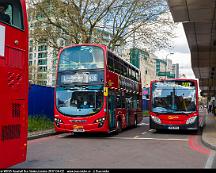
(174, 105)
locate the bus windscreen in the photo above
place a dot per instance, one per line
(173, 97)
(79, 101)
(81, 58)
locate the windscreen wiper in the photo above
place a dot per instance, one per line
(69, 87)
(185, 112)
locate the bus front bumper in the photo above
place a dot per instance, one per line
(173, 126)
(81, 128)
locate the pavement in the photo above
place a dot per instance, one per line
(40, 134)
(208, 134)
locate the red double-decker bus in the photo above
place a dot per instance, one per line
(174, 105)
(14, 82)
(96, 91)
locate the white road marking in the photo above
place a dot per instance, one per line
(143, 124)
(151, 130)
(136, 136)
(143, 133)
(209, 162)
(158, 139)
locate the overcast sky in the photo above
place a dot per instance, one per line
(181, 53)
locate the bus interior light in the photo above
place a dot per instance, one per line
(191, 120)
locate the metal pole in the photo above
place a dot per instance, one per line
(171, 53)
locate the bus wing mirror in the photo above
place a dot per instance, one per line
(105, 91)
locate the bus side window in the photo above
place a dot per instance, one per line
(137, 76)
(129, 74)
(123, 100)
(110, 62)
(124, 69)
(119, 100)
(128, 71)
(128, 101)
(14, 11)
(116, 65)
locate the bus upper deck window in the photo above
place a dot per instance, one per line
(12, 14)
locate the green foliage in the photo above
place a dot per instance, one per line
(145, 113)
(39, 122)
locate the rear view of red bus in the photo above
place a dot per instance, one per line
(14, 82)
(96, 91)
(174, 105)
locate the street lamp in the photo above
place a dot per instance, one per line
(171, 53)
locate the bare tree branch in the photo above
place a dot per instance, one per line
(78, 21)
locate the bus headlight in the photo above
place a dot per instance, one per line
(58, 122)
(191, 120)
(100, 121)
(156, 119)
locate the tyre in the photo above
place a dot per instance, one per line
(119, 126)
(150, 123)
(199, 130)
(135, 122)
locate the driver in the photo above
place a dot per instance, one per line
(4, 17)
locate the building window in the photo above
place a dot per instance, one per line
(42, 69)
(30, 56)
(42, 48)
(42, 82)
(31, 43)
(42, 76)
(42, 62)
(42, 55)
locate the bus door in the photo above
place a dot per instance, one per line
(111, 109)
(128, 108)
(14, 83)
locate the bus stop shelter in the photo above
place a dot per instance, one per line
(199, 21)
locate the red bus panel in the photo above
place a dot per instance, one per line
(14, 84)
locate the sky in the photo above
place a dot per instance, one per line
(181, 53)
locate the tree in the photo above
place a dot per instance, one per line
(144, 22)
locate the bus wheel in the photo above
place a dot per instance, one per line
(199, 131)
(135, 122)
(119, 126)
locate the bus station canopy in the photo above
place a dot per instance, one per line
(199, 21)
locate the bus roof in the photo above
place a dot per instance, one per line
(175, 79)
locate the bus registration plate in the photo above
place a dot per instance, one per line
(173, 127)
(78, 128)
